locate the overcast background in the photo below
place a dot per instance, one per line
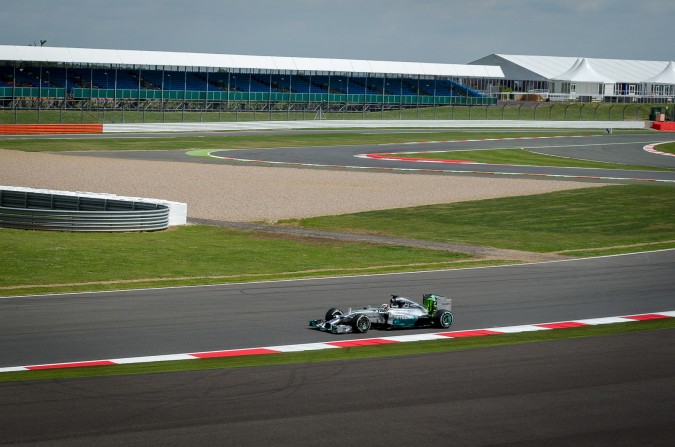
(400, 30)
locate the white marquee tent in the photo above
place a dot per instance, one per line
(582, 71)
(541, 68)
(583, 79)
(567, 77)
(667, 76)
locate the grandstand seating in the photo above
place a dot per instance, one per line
(127, 80)
(173, 80)
(242, 82)
(292, 83)
(146, 79)
(6, 76)
(57, 77)
(24, 78)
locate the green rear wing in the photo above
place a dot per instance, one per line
(433, 302)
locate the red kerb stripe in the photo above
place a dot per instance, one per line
(71, 365)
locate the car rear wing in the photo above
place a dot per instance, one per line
(433, 302)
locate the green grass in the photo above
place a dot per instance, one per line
(668, 147)
(521, 157)
(230, 141)
(601, 217)
(41, 262)
(400, 349)
(586, 222)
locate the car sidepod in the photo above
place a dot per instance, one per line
(402, 320)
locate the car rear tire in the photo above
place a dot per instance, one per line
(443, 318)
(361, 324)
(332, 313)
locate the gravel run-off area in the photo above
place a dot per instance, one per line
(255, 193)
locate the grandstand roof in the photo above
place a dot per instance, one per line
(232, 61)
(541, 68)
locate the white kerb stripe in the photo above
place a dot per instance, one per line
(13, 369)
(518, 329)
(154, 358)
(302, 347)
(608, 320)
(415, 337)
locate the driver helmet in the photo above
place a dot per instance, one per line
(393, 301)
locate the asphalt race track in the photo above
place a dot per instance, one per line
(91, 326)
(627, 149)
(613, 390)
(614, 148)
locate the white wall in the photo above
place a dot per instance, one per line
(337, 124)
(177, 210)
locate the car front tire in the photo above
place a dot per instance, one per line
(332, 313)
(361, 324)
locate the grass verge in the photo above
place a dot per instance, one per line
(613, 217)
(364, 352)
(49, 262)
(668, 148)
(586, 222)
(522, 157)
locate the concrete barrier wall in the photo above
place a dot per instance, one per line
(38, 129)
(664, 126)
(338, 124)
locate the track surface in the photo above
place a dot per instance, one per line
(52, 329)
(616, 390)
(625, 149)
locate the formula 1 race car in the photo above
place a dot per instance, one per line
(399, 313)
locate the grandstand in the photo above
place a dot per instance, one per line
(33, 79)
(85, 79)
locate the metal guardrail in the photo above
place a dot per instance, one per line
(55, 212)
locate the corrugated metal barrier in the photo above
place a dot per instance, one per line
(54, 212)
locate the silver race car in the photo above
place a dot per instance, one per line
(401, 312)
